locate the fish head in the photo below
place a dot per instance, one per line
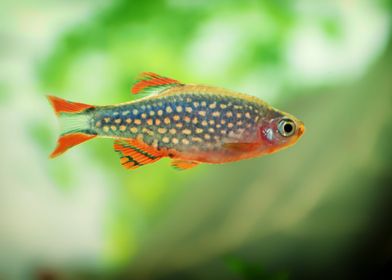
(278, 130)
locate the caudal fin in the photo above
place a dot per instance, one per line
(75, 124)
(64, 106)
(68, 141)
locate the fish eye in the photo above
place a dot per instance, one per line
(286, 127)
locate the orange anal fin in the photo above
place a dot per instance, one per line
(153, 83)
(68, 141)
(134, 153)
(180, 164)
(64, 106)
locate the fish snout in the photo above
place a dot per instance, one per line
(301, 129)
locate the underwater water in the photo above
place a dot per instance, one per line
(318, 210)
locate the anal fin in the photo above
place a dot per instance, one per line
(180, 164)
(134, 153)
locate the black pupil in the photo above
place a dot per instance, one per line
(288, 127)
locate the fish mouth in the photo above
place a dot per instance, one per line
(301, 129)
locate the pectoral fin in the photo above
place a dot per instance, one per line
(134, 153)
(180, 164)
(240, 147)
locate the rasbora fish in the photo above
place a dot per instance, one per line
(190, 124)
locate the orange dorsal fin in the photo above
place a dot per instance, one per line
(134, 153)
(180, 164)
(67, 141)
(151, 83)
(64, 106)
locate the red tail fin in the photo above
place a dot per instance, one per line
(75, 124)
(68, 141)
(64, 106)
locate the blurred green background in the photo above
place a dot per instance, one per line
(319, 210)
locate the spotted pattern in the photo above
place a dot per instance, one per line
(182, 122)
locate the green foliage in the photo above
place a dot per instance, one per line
(248, 270)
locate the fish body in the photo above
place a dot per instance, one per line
(191, 124)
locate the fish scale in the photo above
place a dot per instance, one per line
(191, 124)
(199, 119)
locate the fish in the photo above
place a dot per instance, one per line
(188, 123)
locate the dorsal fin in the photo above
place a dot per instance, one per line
(134, 153)
(153, 83)
(180, 164)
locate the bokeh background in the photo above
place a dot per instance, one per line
(319, 210)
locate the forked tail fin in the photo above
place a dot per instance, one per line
(75, 124)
